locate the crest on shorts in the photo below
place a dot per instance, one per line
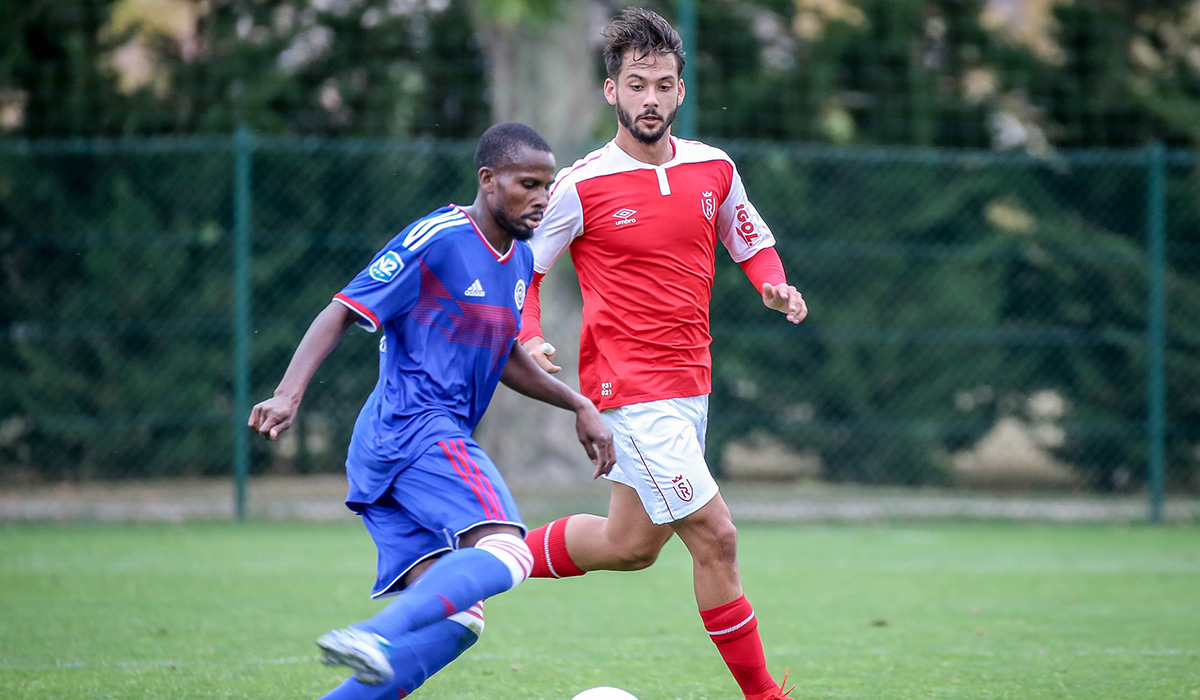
(683, 488)
(708, 201)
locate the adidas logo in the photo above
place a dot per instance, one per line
(475, 290)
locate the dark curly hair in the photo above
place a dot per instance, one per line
(645, 34)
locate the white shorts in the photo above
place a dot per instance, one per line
(660, 454)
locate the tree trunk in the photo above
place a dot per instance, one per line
(545, 72)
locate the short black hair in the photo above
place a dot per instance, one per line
(645, 33)
(500, 143)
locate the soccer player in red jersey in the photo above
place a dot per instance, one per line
(642, 217)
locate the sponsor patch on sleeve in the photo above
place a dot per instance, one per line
(386, 267)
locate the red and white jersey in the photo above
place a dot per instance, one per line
(643, 241)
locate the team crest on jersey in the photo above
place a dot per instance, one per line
(519, 294)
(683, 488)
(708, 201)
(386, 267)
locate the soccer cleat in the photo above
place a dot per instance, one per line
(362, 651)
(782, 693)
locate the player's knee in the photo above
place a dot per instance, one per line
(640, 555)
(635, 555)
(713, 541)
(512, 551)
(723, 536)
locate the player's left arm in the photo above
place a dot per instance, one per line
(750, 242)
(765, 271)
(523, 375)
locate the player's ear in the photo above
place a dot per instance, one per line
(610, 91)
(682, 90)
(487, 179)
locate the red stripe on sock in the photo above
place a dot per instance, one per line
(549, 546)
(734, 629)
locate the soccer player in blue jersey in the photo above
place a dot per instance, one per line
(447, 293)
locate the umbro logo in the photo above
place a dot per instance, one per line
(475, 290)
(625, 216)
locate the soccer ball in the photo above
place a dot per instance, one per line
(604, 693)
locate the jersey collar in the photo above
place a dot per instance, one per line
(501, 258)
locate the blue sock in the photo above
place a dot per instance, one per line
(415, 657)
(454, 583)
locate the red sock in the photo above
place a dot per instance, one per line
(734, 629)
(549, 546)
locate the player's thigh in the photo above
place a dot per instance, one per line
(660, 454)
(629, 526)
(455, 488)
(404, 546)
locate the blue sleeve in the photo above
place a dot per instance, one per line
(388, 288)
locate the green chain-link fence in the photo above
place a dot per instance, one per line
(963, 304)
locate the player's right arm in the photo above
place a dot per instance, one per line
(275, 415)
(561, 223)
(535, 344)
(523, 376)
(386, 289)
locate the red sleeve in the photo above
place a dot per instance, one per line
(531, 313)
(763, 267)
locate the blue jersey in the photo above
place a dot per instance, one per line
(450, 307)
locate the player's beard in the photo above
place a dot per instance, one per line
(518, 229)
(641, 133)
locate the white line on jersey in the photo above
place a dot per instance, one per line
(422, 232)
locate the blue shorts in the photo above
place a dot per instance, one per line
(452, 488)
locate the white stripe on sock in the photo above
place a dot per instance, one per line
(735, 628)
(511, 550)
(471, 618)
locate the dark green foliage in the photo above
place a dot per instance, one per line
(944, 295)
(118, 279)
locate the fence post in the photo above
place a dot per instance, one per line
(1156, 330)
(243, 146)
(685, 22)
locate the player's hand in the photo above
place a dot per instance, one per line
(536, 347)
(785, 299)
(271, 417)
(596, 438)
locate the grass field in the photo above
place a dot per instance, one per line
(220, 610)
